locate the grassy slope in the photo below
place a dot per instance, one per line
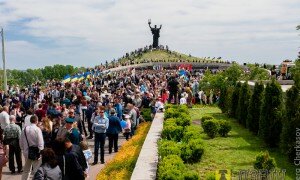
(163, 55)
(235, 152)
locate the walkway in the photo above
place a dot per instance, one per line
(94, 170)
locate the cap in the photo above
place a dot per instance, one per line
(70, 120)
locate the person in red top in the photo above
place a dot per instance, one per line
(40, 112)
(164, 95)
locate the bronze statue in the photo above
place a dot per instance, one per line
(155, 33)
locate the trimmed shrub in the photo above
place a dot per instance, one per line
(183, 109)
(171, 113)
(210, 176)
(264, 161)
(192, 151)
(170, 121)
(211, 128)
(172, 132)
(171, 167)
(224, 128)
(191, 132)
(183, 120)
(146, 113)
(204, 118)
(191, 175)
(166, 147)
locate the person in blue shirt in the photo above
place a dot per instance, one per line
(113, 131)
(118, 107)
(100, 125)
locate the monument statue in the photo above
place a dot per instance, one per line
(155, 33)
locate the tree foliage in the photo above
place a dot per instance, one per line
(291, 122)
(270, 123)
(234, 100)
(243, 103)
(254, 108)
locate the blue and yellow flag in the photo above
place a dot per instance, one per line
(67, 78)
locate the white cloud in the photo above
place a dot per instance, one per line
(90, 31)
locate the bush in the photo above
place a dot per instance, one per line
(171, 113)
(224, 128)
(191, 175)
(166, 147)
(204, 118)
(264, 161)
(170, 121)
(211, 128)
(210, 176)
(171, 167)
(183, 120)
(191, 132)
(183, 109)
(192, 151)
(146, 113)
(172, 132)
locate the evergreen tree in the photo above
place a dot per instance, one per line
(271, 114)
(254, 108)
(222, 100)
(243, 103)
(291, 122)
(235, 100)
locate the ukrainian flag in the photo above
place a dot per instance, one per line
(67, 78)
(74, 79)
(80, 77)
(87, 75)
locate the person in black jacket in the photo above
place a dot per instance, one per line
(113, 131)
(67, 162)
(77, 152)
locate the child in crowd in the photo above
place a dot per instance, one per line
(127, 128)
(87, 154)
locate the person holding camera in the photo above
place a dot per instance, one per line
(31, 143)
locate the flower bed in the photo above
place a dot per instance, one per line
(122, 165)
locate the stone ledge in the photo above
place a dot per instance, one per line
(146, 165)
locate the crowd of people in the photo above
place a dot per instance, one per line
(47, 123)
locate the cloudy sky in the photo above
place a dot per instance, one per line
(88, 32)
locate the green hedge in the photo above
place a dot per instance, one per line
(192, 151)
(211, 128)
(146, 113)
(167, 147)
(173, 168)
(224, 128)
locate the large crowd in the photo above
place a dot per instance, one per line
(47, 123)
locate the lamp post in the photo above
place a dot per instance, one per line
(3, 58)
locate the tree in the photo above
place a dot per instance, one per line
(254, 108)
(243, 103)
(233, 74)
(235, 100)
(270, 123)
(296, 73)
(257, 73)
(291, 122)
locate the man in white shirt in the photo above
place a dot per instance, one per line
(34, 138)
(4, 117)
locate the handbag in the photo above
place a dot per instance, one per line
(33, 151)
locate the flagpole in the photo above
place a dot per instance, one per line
(3, 58)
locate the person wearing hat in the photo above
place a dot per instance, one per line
(127, 128)
(70, 131)
(113, 131)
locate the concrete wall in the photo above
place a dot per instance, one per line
(146, 165)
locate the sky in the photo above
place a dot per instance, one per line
(86, 33)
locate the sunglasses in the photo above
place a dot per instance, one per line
(101, 112)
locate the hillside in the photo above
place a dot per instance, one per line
(162, 55)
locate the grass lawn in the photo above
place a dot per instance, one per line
(235, 152)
